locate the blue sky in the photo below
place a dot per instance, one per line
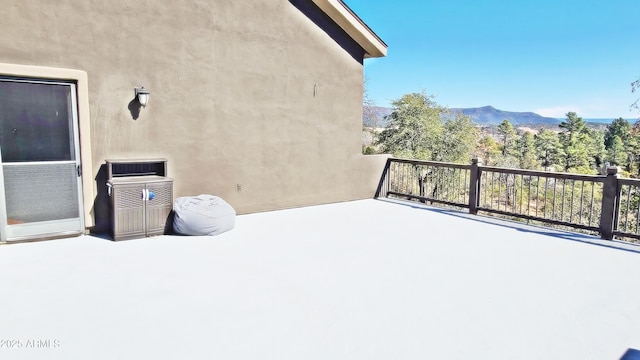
(545, 56)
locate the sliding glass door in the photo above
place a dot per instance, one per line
(40, 176)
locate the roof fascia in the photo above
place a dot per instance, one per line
(340, 13)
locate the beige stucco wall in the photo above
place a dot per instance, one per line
(250, 100)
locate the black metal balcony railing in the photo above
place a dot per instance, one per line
(604, 204)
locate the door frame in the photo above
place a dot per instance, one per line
(80, 79)
(48, 228)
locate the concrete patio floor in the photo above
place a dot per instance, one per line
(370, 279)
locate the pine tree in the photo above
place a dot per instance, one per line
(548, 148)
(616, 154)
(574, 139)
(620, 128)
(525, 151)
(488, 150)
(596, 148)
(623, 130)
(507, 137)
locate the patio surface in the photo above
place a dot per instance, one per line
(370, 279)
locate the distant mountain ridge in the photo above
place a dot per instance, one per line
(486, 115)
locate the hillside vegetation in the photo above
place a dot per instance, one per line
(417, 127)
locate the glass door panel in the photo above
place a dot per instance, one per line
(40, 166)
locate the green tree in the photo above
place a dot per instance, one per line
(596, 148)
(488, 150)
(414, 129)
(458, 139)
(548, 148)
(620, 128)
(525, 151)
(368, 150)
(507, 136)
(616, 153)
(419, 128)
(574, 139)
(634, 148)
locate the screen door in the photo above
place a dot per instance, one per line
(40, 187)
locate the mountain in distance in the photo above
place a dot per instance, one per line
(486, 115)
(607, 121)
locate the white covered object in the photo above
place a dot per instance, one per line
(202, 215)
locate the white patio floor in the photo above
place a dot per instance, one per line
(368, 279)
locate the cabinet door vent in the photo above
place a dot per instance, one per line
(128, 198)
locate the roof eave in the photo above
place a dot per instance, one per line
(340, 13)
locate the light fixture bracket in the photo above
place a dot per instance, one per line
(142, 95)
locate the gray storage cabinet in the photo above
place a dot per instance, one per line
(141, 198)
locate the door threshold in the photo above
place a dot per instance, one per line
(43, 237)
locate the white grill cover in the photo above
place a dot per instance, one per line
(202, 215)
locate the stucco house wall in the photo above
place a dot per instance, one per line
(250, 100)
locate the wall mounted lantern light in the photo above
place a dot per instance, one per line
(142, 95)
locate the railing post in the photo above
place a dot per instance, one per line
(609, 203)
(474, 185)
(384, 179)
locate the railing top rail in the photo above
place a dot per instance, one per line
(627, 181)
(557, 175)
(430, 163)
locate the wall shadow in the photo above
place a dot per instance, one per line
(134, 109)
(168, 225)
(101, 203)
(324, 22)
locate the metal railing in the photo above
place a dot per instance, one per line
(604, 204)
(627, 216)
(556, 198)
(428, 181)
